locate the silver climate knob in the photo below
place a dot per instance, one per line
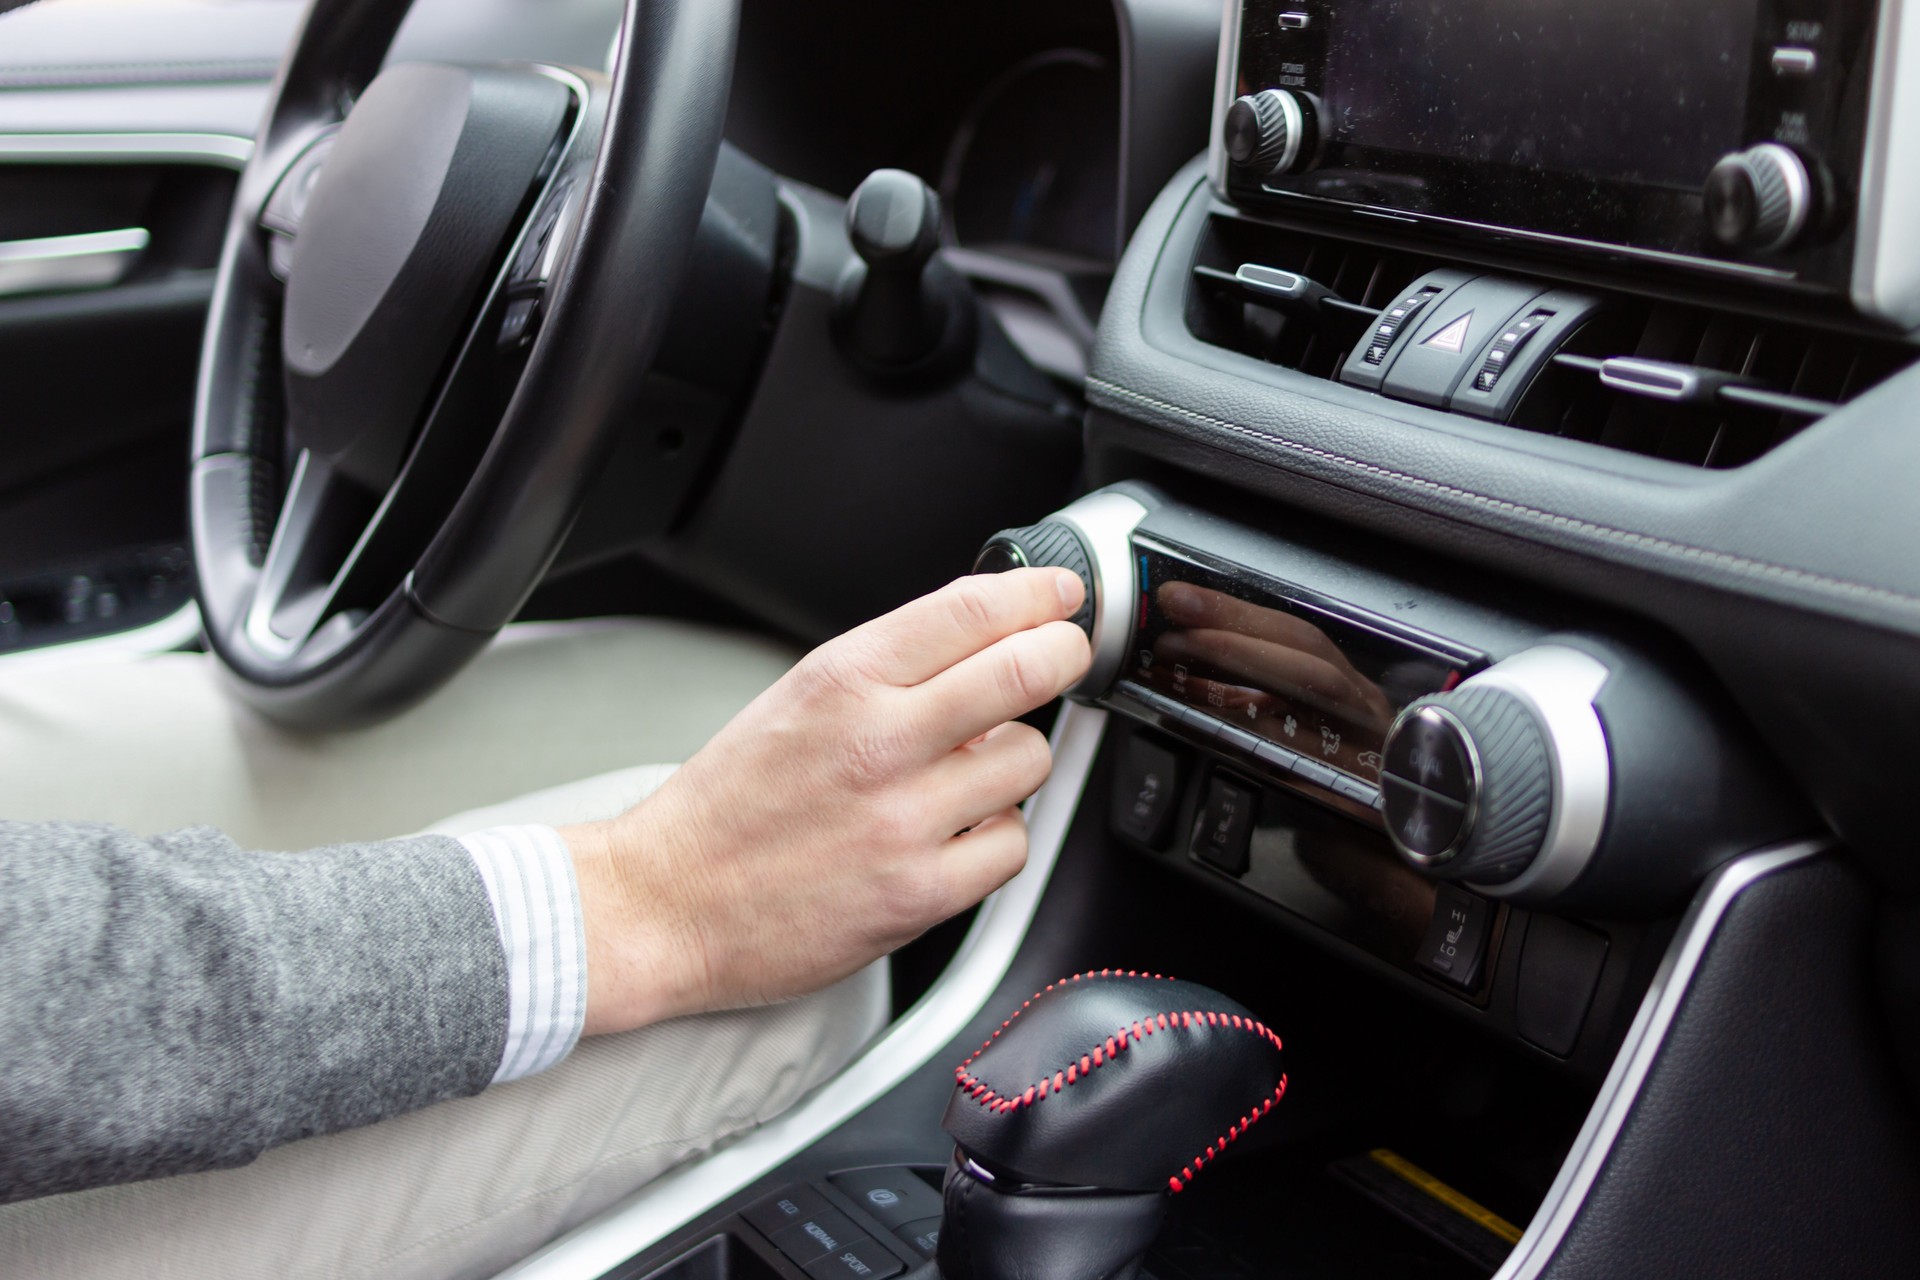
(1092, 537)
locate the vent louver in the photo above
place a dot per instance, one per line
(1700, 386)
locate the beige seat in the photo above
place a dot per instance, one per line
(466, 1187)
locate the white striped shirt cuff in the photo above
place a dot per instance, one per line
(536, 903)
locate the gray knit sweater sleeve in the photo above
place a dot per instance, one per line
(176, 1003)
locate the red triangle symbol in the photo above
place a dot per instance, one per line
(1453, 337)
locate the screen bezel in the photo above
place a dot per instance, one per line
(1567, 214)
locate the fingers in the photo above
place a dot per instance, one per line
(975, 864)
(923, 638)
(1002, 682)
(982, 778)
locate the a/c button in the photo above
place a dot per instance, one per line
(1422, 823)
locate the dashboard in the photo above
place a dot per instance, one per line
(1420, 342)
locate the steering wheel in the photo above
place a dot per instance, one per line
(440, 290)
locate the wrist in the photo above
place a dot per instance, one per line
(645, 961)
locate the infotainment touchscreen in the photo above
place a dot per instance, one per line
(1646, 90)
(1318, 678)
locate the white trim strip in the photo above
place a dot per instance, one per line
(1631, 1066)
(668, 1203)
(221, 149)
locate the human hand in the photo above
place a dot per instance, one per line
(869, 794)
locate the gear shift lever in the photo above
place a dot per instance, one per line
(901, 312)
(1101, 1097)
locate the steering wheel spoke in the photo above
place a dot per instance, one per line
(323, 521)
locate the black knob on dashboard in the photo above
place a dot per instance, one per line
(1760, 199)
(901, 312)
(1040, 546)
(1466, 785)
(1268, 133)
(1503, 781)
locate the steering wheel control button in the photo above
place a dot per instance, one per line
(893, 1196)
(1224, 829)
(1456, 941)
(785, 1208)
(856, 1260)
(1146, 792)
(1425, 827)
(816, 1235)
(1430, 750)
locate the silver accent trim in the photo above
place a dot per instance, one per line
(1105, 522)
(1226, 88)
(1793, 172)
(175, 631)
(1638, 1052)
(1296, 123)
(671, 1201)
(90, 260)
(1790, 60)
(1654, 379)
(1270, 280)
(1558, 684)
(220, 149)
(1886, 256)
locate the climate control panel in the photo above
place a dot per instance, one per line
(1521, 756)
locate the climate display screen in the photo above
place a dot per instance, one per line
(1321, 682)
(1641, 90)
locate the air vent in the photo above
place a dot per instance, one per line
(1689, 384)
(1699, 386)
(1242, 301)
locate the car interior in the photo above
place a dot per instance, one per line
(1482, 429)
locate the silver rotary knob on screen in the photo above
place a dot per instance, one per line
(1092, 537)
(1269, 132)
(1502, 782)
(1760, 199)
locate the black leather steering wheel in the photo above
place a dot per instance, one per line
(440, 291)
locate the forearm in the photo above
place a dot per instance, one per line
(176, 1003)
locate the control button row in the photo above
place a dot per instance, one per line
(1506, 346)
(1394, 320)
(1278, 760)
(823, 1241)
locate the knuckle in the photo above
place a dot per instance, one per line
(1034, 756)
(974, 603)
(873, 754)
(1026, 678)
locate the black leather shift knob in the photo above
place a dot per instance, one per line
(1125, 1081)
(1100, 1097)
